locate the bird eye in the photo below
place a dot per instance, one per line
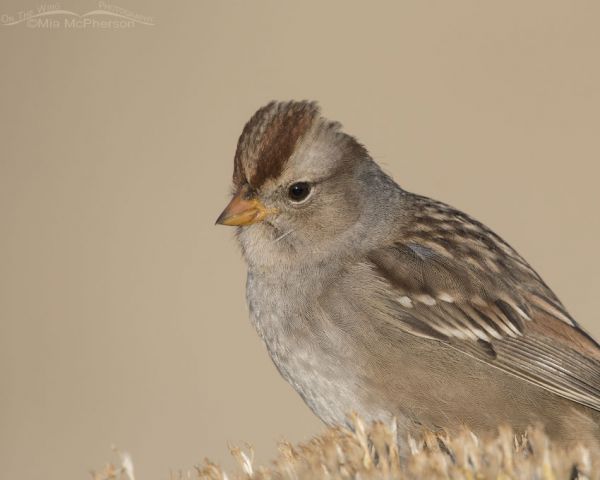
(299, 191)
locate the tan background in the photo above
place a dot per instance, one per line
(122, 315)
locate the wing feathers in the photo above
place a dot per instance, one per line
(506, 317)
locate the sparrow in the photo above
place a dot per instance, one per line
(375, 300)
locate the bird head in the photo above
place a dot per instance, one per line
(299, 182)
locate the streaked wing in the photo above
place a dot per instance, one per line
(472, 291)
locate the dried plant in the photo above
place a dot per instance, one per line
(124, 471)
(358, 452)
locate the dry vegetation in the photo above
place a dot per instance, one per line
(372, 453)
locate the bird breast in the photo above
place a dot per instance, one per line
(303, 346)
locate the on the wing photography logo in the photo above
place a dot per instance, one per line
(52, 17)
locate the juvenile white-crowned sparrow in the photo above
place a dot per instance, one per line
(376, 300)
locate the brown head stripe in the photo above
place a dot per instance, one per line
(269, 139)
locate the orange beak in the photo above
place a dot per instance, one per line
(241, 211)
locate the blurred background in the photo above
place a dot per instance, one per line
(122, 311)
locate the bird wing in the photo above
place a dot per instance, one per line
(490, 304)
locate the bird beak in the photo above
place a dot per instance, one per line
(241, 211)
